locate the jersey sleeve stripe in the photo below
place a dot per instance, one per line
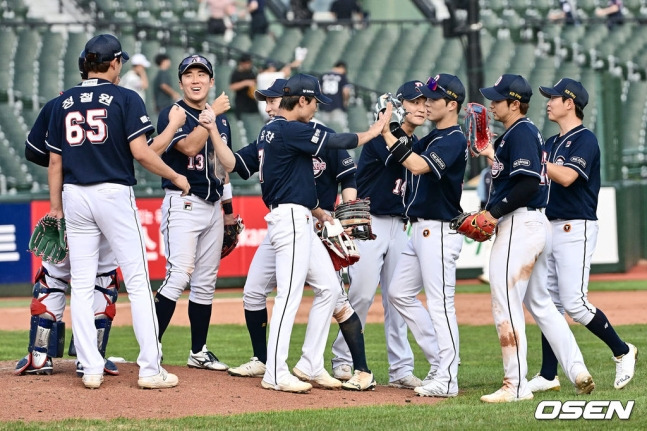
(525, 172)
(241, 164)
(139, 132)
(432, 166)
(345, 172)
(35, 148)
(53, 148)
(324, 138)
(578, 169)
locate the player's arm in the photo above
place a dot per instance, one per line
(153, 163)
(523, 189)
(55, 180)
(348, 141)
(176, 119)
(223, 153)
(168, 90)
(195, 141)
(227, 202)
(322, 215)
(412, 161)
(562, 175)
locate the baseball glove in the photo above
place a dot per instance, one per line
(355, 215)
(230, 238)
(340, 246)
(477, 127)
(48, 240)
(476, 225)
(398, 113)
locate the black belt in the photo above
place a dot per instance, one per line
(532, 209)
(417, 219)
(273, 206)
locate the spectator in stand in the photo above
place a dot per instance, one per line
(335, 85)
(163, 90)
(243, 82)
(220, 13)
(300, 13)
(613, 12)
(136, 78)
(343, 10)
(566, 14)
(259, 23)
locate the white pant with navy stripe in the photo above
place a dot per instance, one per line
(429, 262)
(518, 275)
(93, 214)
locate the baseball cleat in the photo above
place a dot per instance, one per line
(290, 384)
(407, 382)
(429, 378)
(109, 368)
(434, 389)
(322, 379)
(25, 366)
(342, 372)
(92, 381)
(205, 360)
(584, 383)
(361, 381)
(625, 367)
(541, 384)
(503, 395)
(159, 381)
(253, 368)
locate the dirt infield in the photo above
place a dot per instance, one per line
(22, 396)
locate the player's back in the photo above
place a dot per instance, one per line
(92, 125)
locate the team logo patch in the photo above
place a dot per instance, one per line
(223, 136)
(316, 136)
(567, 227)
(520, 162)
(559, 161)
(347, 162)
(425, 233)
(188, 206)
(224, 122)
(568, 144)
(318, 166)
(579, 161)
(497, 168)
(67, 103)
(144, 119)
(436, 158)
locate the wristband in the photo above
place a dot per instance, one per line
(226, 192)
(228, 207)
(400, 151)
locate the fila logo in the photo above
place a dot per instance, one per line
(590, 410)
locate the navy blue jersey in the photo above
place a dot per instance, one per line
(519, 151)
(200, 169)
(285, 150)
(35, 149)
(436, 195)
(381, 178)
(330, 168)
(579, 150)
(332, 85)
(91, 127)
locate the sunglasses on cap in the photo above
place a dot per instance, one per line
(433, 85)
(193, 61)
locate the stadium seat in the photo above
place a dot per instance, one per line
(49, 74)
(25, 80)
(332, 49)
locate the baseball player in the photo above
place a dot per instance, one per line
(286, 146)
(518, 262)
(382, 179)
(96, 130)
(435, 170)
(331, 167)
(52, 281)
(192, 225)
(573, 168)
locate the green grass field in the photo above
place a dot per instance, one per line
(480, 373)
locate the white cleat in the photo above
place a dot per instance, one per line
(206, 360)
(429, 378)
(290, 384)
(434, 389)
(625, 367)
(503, 395)
(361, 381)
(92, 381)
(159, 381)
(541, 384)
(342, 372)
(407, 382)
(253, 368)
(323, 379)
(584, 383)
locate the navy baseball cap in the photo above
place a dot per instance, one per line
(508, 87)
(305, 85)
(104, 47)
(84, 74)
(567, 87)
(274, 90)
(444, 86)
(411, 90)
(194, 61)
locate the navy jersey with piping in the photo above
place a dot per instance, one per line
(91, 126)
(35, 149)
(200, 169)
(285, 150)
(519, 151)
(436, 195)
(579, 150)
(381, 178)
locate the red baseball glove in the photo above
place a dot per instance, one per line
(477, 127)
(479, 226)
